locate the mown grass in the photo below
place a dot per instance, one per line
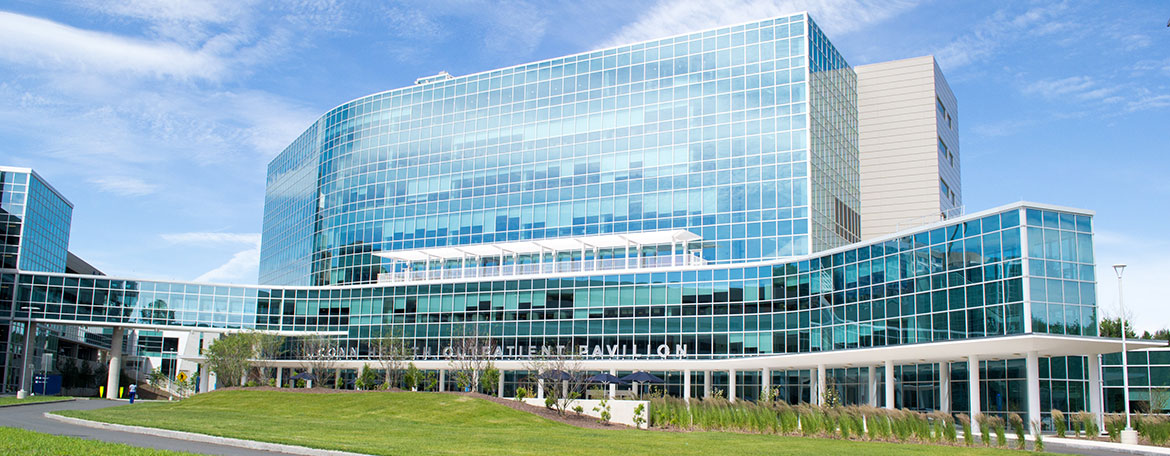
(9, 400)
(21, 442)
(434, 423)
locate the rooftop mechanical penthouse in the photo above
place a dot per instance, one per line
(690, 206)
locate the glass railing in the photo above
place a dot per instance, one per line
(556, 267)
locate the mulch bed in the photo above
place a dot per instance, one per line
(570, 418)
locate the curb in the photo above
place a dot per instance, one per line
(204, 438)
(1118, 447)
(21, 404)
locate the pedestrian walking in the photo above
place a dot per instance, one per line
(133, 392)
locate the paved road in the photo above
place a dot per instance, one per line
(32, 417)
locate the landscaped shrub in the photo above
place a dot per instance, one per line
(639, 417)
(549, 402)
(1058, 423)
(789, 420)
(1087, 423)
(1017, 424)
(984, 428)
(1113, 425)
(1036, 428)
(602, 409)
(968, 436)
(1156, 428)
(844, 425)
(1000, 428)
(521, 393)
(944, 426)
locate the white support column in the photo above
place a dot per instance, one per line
(687, 386)
(26, 358)
(540, 388)
(500, 387)
(766, 383)
(564, 389)
(820, 390)
(114, 373)
(1095, 389)
(890, 385)
(706, 384)
(279, 377)
(442, 380)
(871, 383)
(731, 385)
(944, 386)
(973, 387)
(1032, 382)
(613, 386)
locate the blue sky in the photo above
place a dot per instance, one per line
(157, 117)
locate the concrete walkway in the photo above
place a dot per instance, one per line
(31, 417)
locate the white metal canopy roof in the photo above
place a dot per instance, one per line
(534, 246)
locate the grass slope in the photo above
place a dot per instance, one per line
(432, 423)
(9, 400)
(22, 442)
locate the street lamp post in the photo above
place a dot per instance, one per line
(1128, 435)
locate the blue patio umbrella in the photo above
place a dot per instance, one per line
(304, 376)
(604, 378)
(642, 377)
(556, 375)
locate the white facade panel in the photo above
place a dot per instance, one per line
(903, 166)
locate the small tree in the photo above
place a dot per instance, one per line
(230, 355)
(316, 358)
(268, 346)
(391, 352)
(470, 353)
(157, 378)
(490, 380)
(562, 376)
(413, 377)
(367, 380)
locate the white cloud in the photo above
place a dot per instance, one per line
(999, 30)
(1080, 88)
(124, 186)
(243, 267)
(673, 17)
(40, 42)
(204, 238)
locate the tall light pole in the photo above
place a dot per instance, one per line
(1128, 435)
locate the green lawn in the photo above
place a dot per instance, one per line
(432, 423)
(8, 400)
(22, 442)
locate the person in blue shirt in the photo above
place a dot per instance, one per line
(133, 392)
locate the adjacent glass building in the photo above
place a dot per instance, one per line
(34, 222)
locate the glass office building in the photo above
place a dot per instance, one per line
(744, 135)
(34, 222)
(687, 205)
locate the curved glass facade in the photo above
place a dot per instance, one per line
(708, 132)
(955, 281)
